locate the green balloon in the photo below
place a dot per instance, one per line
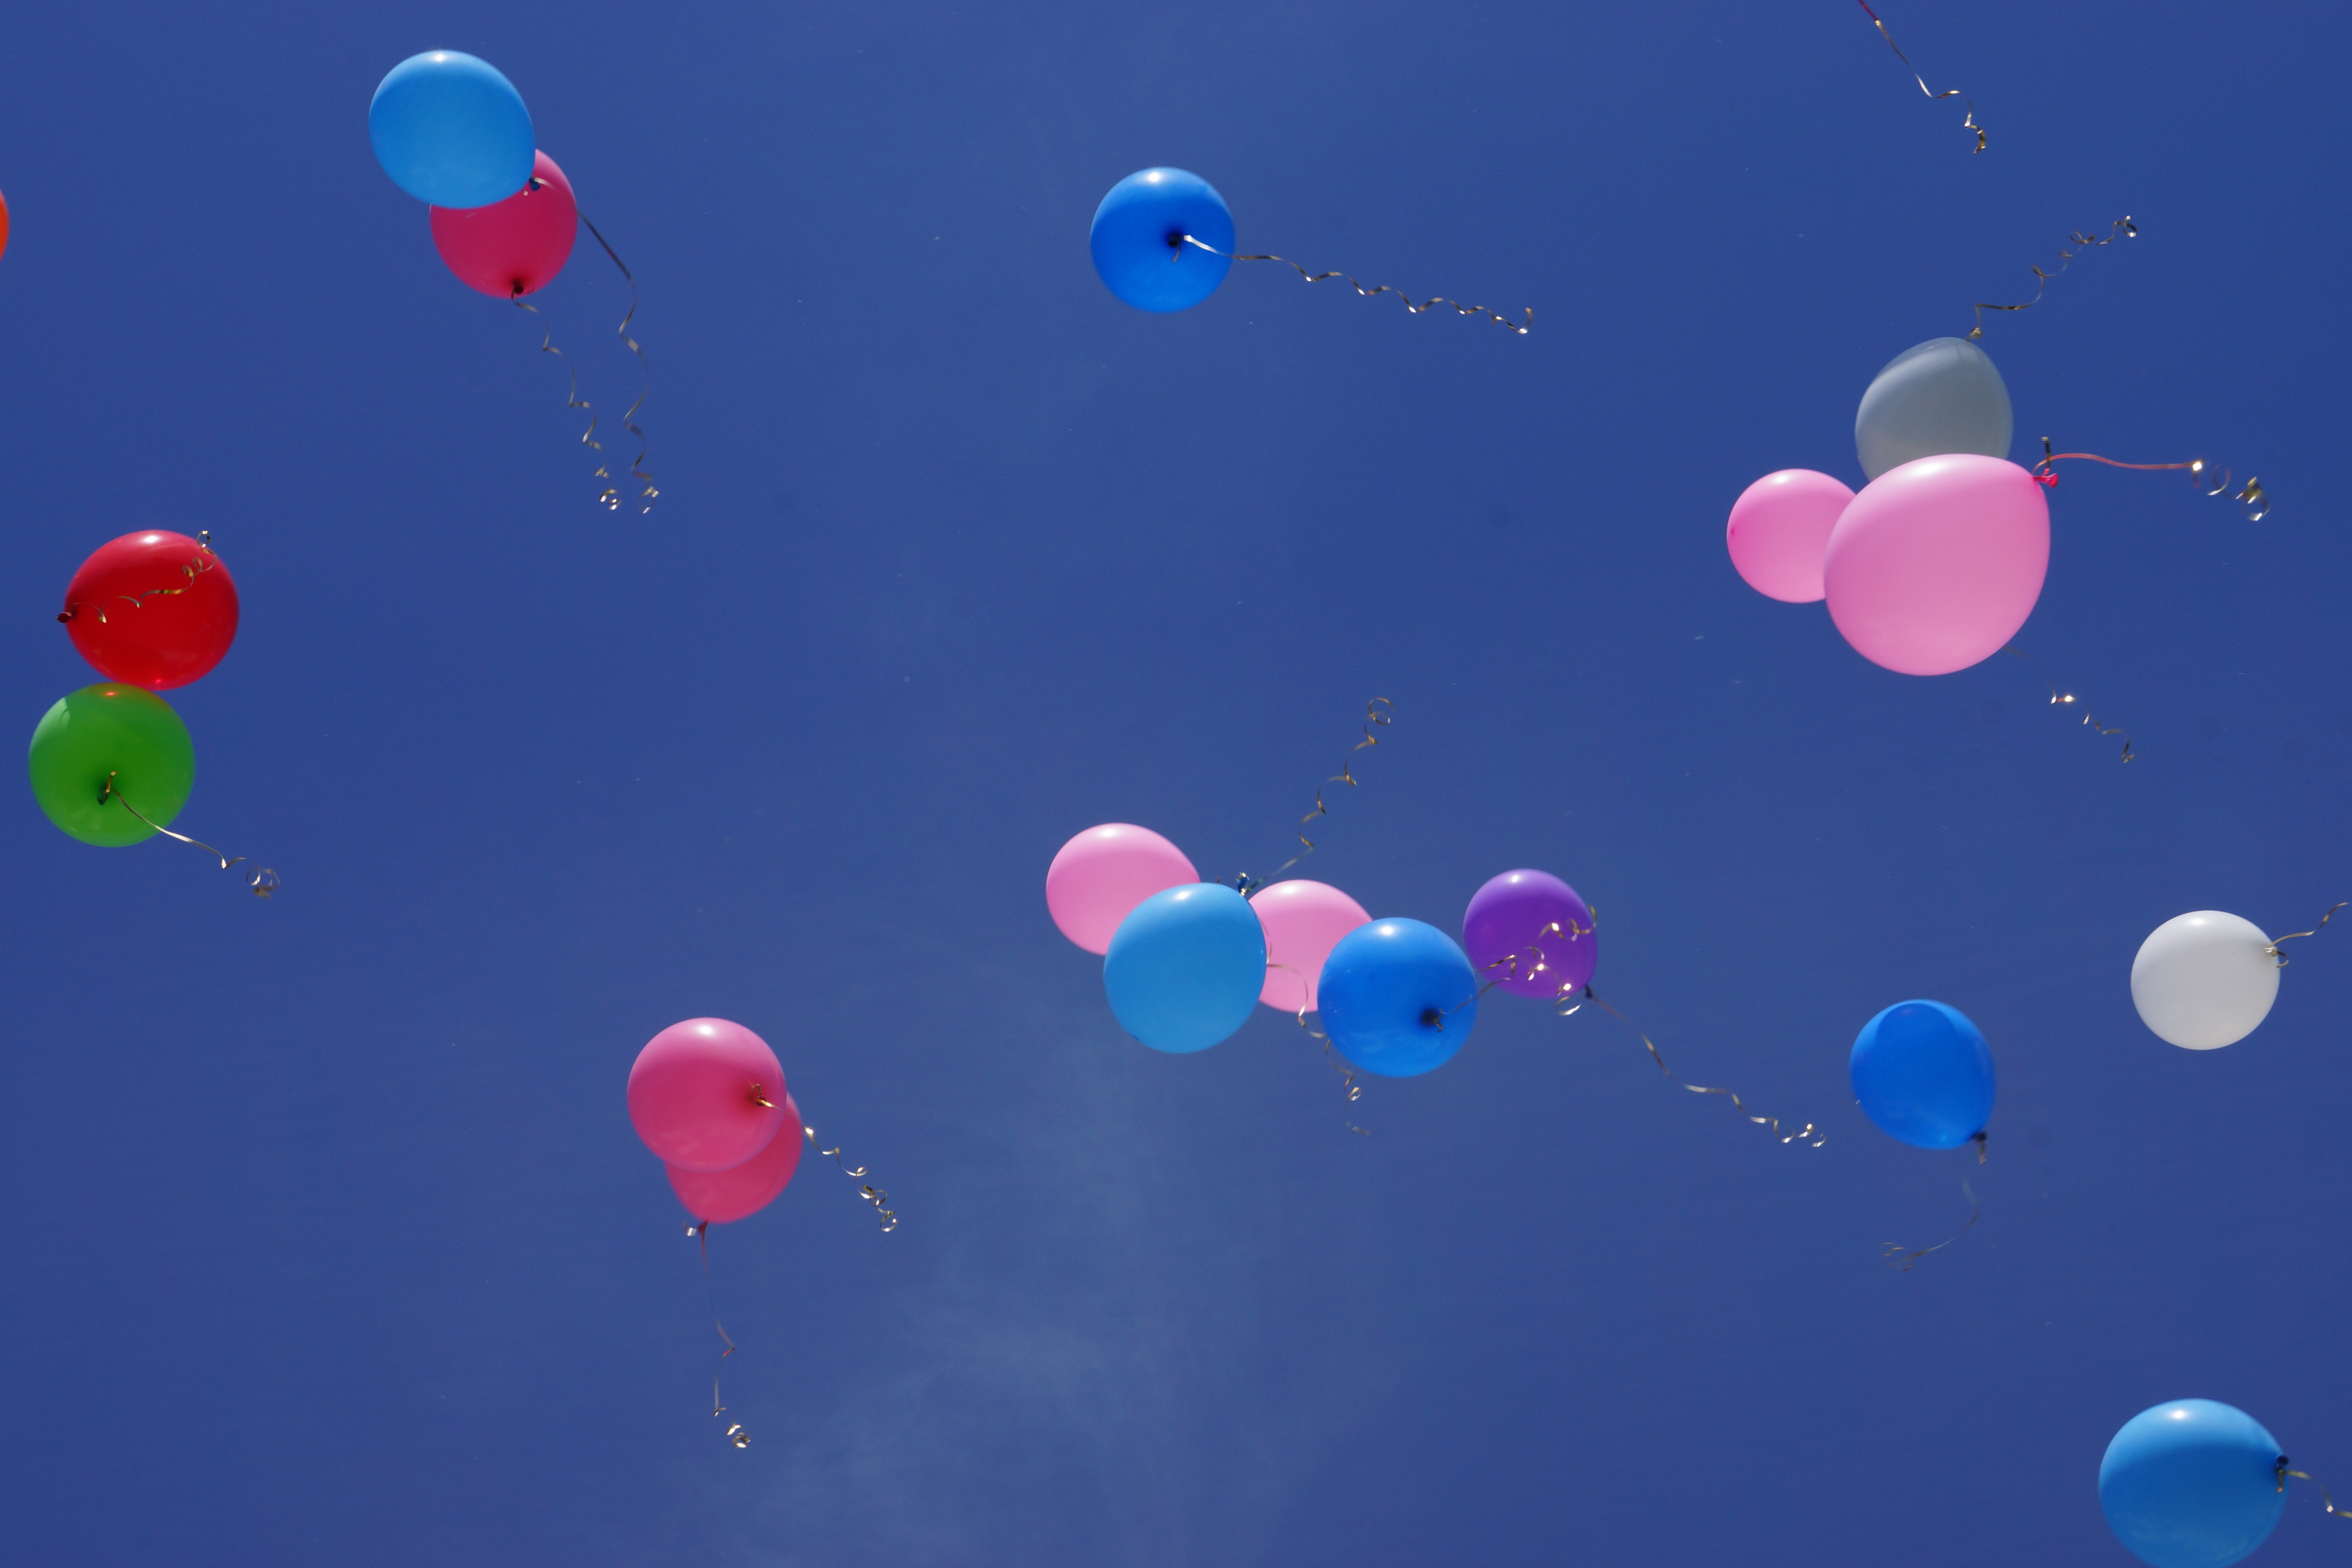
(126, 731)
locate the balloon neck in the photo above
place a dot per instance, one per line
(760, 1097)
(66, 613)
(1244, 884)
(1977, 1138)
(1431, 1018)
(2050, 479)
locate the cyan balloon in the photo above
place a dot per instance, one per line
(451, 131)
(1922, 1074)
(1139, 239)
(1942, 396)
(2192, 1484)
(1397, 998)
(1185, 967)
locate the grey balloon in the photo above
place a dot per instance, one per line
(1942, 396)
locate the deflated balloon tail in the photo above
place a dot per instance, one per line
(871, 1194)
(2122, 229)
(629, 419)
(263, 882)
(1569, 1000)
(2251, 495)
(1893, 1253)
(2062, 699)
(2329, 1502)
(1178, 242)
(700, 1229)
(1932, 96)
(572, 399)
(1379, 713)
(2274, 948)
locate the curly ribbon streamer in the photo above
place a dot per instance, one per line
(1932, 96)
(608, 495)
(1565, 1007)
(2061, 698)
(1176, 243)
(2122, 229)
(2200, 474)
(263, 882)
(1374, 719)
(2274, 948)
(1902, 1260)
(2333, 1511)
(629, 417)
(871, 1194)
(1351, 1091)
(700, 1229)
(138, 601)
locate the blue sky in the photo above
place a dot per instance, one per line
(327, 1230)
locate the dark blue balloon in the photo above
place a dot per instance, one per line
(1922, 1074)
(1185, 967)
(2192, 1484)
(1397, 998)
(451, 131)
(1138, 233)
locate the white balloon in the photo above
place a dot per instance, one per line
(2204, 980)
(1942, 396)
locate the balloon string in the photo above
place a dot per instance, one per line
(203, 563)
(2061, 698)
(263, 882)
(700, 1230)
(2283, 1472)
(610, 497)
(629, 418)
(870, 1192)
(2274, 948)
(1374, 719)
(2200, 474)
(2122, 229)
(1176, 243)
(1565, 1007)
(1892, 1252)
(1350, 1090)
(1932, 96)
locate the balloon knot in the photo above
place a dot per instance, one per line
(65, 614)
(2050, 479)
(1431, 1018)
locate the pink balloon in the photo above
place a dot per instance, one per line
(1937, 562)
(1780, 527)
(722, 1197)
(515, 246)
(1102, 874)
(696, 1094)
(1304, 922)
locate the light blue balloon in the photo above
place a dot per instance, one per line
(1397, 998)
(1924, 1075)
(1942, 395)
(1137, 239)
(2192, 1484)
(1185, 967)
(451, 131)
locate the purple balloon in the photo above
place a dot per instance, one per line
(1507, 931)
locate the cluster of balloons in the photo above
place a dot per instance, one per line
(2193, 1483)
(452, 133)
(1938, 560)
(112, 764)
(708, 1097)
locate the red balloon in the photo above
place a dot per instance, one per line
(515, 246)
(154, 609)
(722, 1197)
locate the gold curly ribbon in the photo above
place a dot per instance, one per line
(138, 601)
(610, 497)
(1176, 243)
(2333, 1511)
(1932, 96)
(1567, 1003)
(1896, 1256)
(2200, 474)
(2122, 229)
(2062, 699)
(871, 1194)
(263, 882)
(2274, 948)
(700, 1229)
(1374, 719)
(1351, 1091)
(629, 417)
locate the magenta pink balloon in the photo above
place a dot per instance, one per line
(1102, 874)
(1779, 528)
(722, 1197)
(515, 246)
(705, 1094)
(1304, 922)
(1937, 562)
